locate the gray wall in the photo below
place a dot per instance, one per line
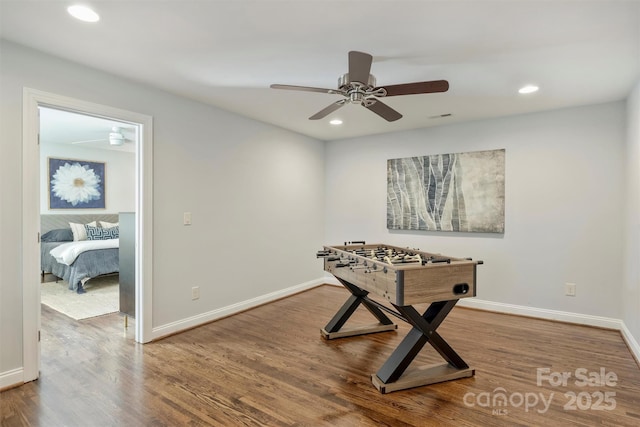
(249, 186)
(564, 204)
(572, 200)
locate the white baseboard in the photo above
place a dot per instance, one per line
(560, 316)
(201, 319)
(542, 313)
(631, 342)
(12, 378)
(15, 377)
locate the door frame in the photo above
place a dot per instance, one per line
(32, 99)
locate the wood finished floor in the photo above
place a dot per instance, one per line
(270, 367)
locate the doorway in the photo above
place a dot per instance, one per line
(87, 176)
(33, 100)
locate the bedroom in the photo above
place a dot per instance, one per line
(205, 157)
(67, 137)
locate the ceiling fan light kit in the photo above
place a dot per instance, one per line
(116, 137)
(358, 86)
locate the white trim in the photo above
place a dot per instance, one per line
(144, 232)
(30, 229)
(33, 98)
(14, 377)
(332, 281)
(542, 313)
(498, 307)
(633, 345)
(201, 319)
(559, 316)
(11, 378)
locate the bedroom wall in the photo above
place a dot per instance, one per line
(564, 204)
(119, 176)
(631, 289)
(252, 189)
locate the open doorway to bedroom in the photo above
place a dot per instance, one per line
(34, 174)
(87, 212)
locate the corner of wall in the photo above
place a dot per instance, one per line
(631, 289)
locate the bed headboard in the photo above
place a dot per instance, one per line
(52, 222)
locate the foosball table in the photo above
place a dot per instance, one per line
(401, 277)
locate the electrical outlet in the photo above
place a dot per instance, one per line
(195, 292)
(187, 218)
(570, 289)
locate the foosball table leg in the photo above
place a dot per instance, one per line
(392, 376)
(335, 328)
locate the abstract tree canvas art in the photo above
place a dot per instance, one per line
(461, 192)
(76, 184)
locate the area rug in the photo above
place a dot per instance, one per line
(102, 297)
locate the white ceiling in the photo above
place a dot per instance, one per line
(66, 127)
(227, 52)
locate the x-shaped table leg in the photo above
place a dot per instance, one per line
(423, 331)
(358, 296)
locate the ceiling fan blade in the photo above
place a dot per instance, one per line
(306, 89)
(90, 140)
(382, 109)
(359, 66)
(328, 110)
(416, 88)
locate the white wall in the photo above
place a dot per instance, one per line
(120, 179)
(255, 192)
(631, 289)
(564, 200)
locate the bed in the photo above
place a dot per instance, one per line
(57, 234)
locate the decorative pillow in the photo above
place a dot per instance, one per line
(97, 233)
(58, 235)
(79, 233)
(105, 224)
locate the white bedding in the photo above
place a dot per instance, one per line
(67, 253)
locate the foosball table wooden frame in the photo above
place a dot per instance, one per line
(403, 277)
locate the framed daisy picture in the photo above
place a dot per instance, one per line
(76, 184)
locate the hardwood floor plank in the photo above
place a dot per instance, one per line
(269, 366)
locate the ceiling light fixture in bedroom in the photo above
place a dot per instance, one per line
(83, 13)
(116, 137)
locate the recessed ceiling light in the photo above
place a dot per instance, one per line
(336, 122)
(528, 89)
(83, 13)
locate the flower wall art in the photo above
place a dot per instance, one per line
(76, 184)
(461, 192)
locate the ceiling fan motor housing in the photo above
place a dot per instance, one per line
(344, 81)
(356, 90)
(115, 137)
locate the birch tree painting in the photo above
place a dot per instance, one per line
(447, 192)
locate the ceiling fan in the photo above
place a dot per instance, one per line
(116, 138)
(358, 86)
